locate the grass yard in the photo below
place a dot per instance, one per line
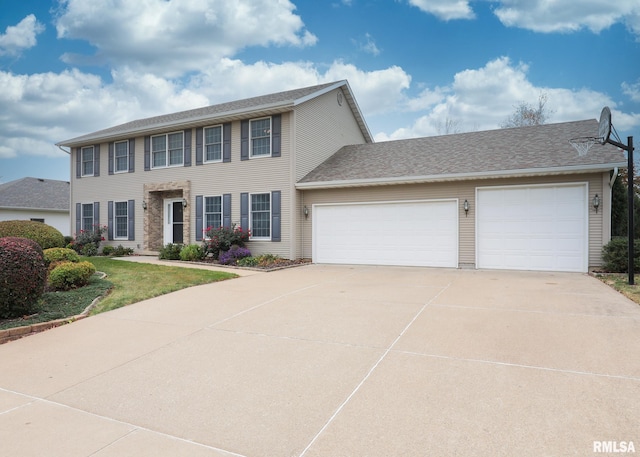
(620, 282)
(128, 282)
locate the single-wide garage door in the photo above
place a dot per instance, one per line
(532, 228)
(423, 233)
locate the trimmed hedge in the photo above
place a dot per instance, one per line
(23, 276)
(43, 234)
(71, 275)
(53, 255)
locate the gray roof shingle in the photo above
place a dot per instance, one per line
(466, 155)
(35, 193)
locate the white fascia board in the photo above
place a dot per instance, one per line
(460, 176)
(40, 210)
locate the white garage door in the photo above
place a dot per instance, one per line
(421, 233)
(533, 228)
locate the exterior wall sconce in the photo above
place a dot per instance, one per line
(596, 202)
(144, 205)
(465, 206)
(184, 202)
(305, 211)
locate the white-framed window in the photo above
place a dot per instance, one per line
(167, 150)
(121, 156)
(121, 220)
(260, 137)
(87, 160)
(260, 216)
(87, 217)
(212, 211)
(213, 143)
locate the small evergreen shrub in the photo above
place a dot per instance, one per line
(171, 251)
(234, 254)
(615, 255)
(23, 275)
(70, 275)
(220, 239)
(108, 250)
(53, 255)
(192, 252)
(43, 234)
(121, 251)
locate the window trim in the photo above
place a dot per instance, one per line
(166, 150)
(83, 162)
(251, 138)
(115, 221)
(83, 217)
(261, 238)
(204, 143)
(115, 157)
(204, 212)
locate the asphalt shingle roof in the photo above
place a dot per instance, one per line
(467, 154)
(35, 193)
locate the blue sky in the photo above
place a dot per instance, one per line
(417, 67)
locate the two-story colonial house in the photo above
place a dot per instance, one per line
(300, 170)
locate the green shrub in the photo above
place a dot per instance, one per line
(43, 234)
(108, 250)
(171, 251)
(248, 262)
(23, 275)
(70, 275)
(192, 252)
(616, 255)
(87, 242)
(121, 251)
(53, 255)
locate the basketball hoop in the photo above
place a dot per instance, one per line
(583, 144)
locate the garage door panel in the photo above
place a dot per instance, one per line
(405, 233)
(547, 232)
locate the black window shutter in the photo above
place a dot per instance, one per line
(78, 163)
(276, 128)
(244, 140)
(199, 141)
(132, 155)
(226, 210)
(96, 213)
(111, 147)
(147, 153)
(226, 142)
(110, 220)
(275, 215)
(187, 148)
(131, 216)
(78, 218)
(96, 160)
(244, 211)
(199, 218)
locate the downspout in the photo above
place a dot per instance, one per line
(613, 178)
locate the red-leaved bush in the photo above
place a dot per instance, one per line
(23, 276)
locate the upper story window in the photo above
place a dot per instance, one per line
(260, 216)
(121, 216)
(87, 160)
(167, 150)
(213, 211)
(121, 156)
(213, 144)
(87, 217)
(260, 140)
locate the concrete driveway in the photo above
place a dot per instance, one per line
(336, 361)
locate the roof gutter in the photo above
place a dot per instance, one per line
(458, 176)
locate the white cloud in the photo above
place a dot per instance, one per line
(368, 45)
(632, 90)
(445, 9)
(567, 16)
(20, 37)
(172, 38)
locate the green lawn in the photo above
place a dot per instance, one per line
(126, 283)
(620, 282)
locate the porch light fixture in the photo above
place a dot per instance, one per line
(596, 202)
(465, 206)
(305, 211)
(144, 205)
(184, 202)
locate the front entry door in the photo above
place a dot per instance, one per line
(173, 221)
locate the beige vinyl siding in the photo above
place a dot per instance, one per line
(461, 190)
(322, 127)
(265, 174)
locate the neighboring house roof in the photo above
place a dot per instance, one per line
(35, 193)
(262, 106)
(523, 151)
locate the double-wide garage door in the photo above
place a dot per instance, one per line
(533, 228)
(416, 233)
